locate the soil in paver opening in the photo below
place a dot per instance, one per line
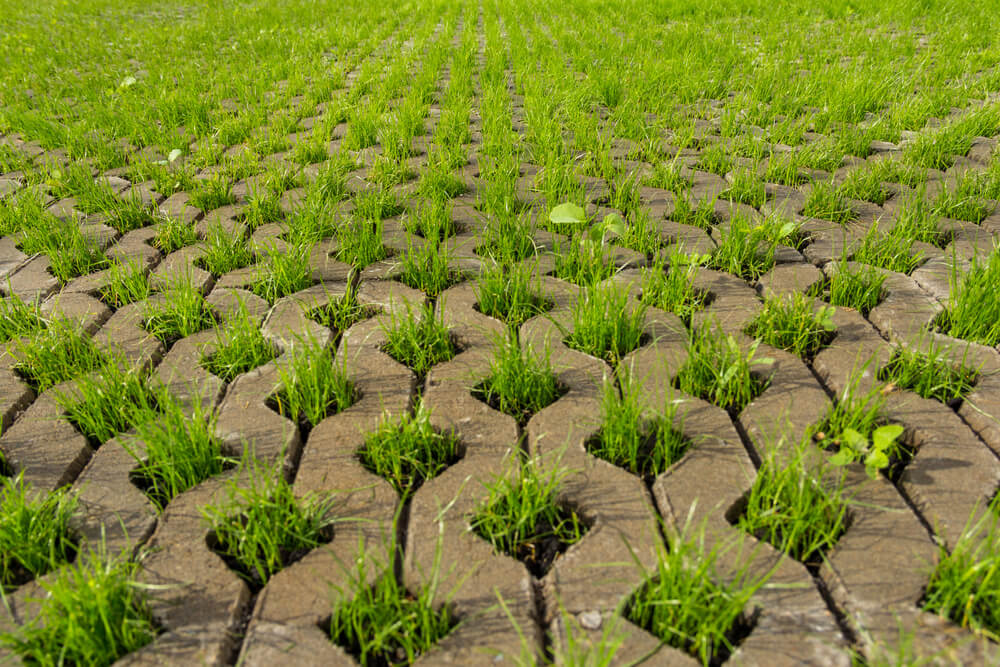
(409, 607)
(537, 306)
(544, 545)
(647, 465)
(812, 560)
(522, 415)
(143, 481)
(735, 635)
(252, 576)
(18, 575)
(331, 317)
(539, 554)
(305, 426)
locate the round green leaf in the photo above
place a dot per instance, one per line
(568, 213)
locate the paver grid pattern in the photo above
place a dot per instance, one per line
(868, 587)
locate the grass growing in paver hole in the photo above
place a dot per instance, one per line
(58, 353)
(794, 323)
(107, 402)
(126, 282)
(212, 193)
(359, 242)
(313, 385)
(408, 450)
(225, 251)
(825, 201)
(19, 318)
(672, 289)
(426, 267)
(262, 208)
(175, 449)
(418, 341)
(794, 506)
(715, 159)
(746, 188)
(605, 323)
(864, 185)
(262, 526)
(685, 604)
(720, 370)
(91, 613)
(856, 429)
(522, 517)
(859, 288)
(645, 442)
(641, 234)
(431, 221)
(376, 204)
(964, 201)
(341, 313)
(507, 293)
(930, 374)
(973, 311)
(520, 383)
(239, 347)
(129, 213)
(668, 176)
(70, 252)
(173, 234)
(311, 222)
(36, 533)
(383, 623)
(508, 239)
(582, 263)
(964, 586)
(746, 249)
(284, 271)
(178, 312)
(892, 251)
(701, 215)
(437, 183)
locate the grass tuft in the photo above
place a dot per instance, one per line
(408, 451)
(861, 289)
(508, 294)
(313, 386)
(604, 324)
(519, 384)
(175, 450)
(929, 374)
(719, 370)
(180, 312)
(522, 517)
(35, 531)
(126, 282)
(283, 272)
(108, 402)
(18, 318)
(58, 353)
(633, 438)
(795, 324)
(684, 605)
(973, 311)
(92, 613)
(240, 347)
(791, 508)
(263, 527)
(965, 585)
(418, 342)
(384, 623)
